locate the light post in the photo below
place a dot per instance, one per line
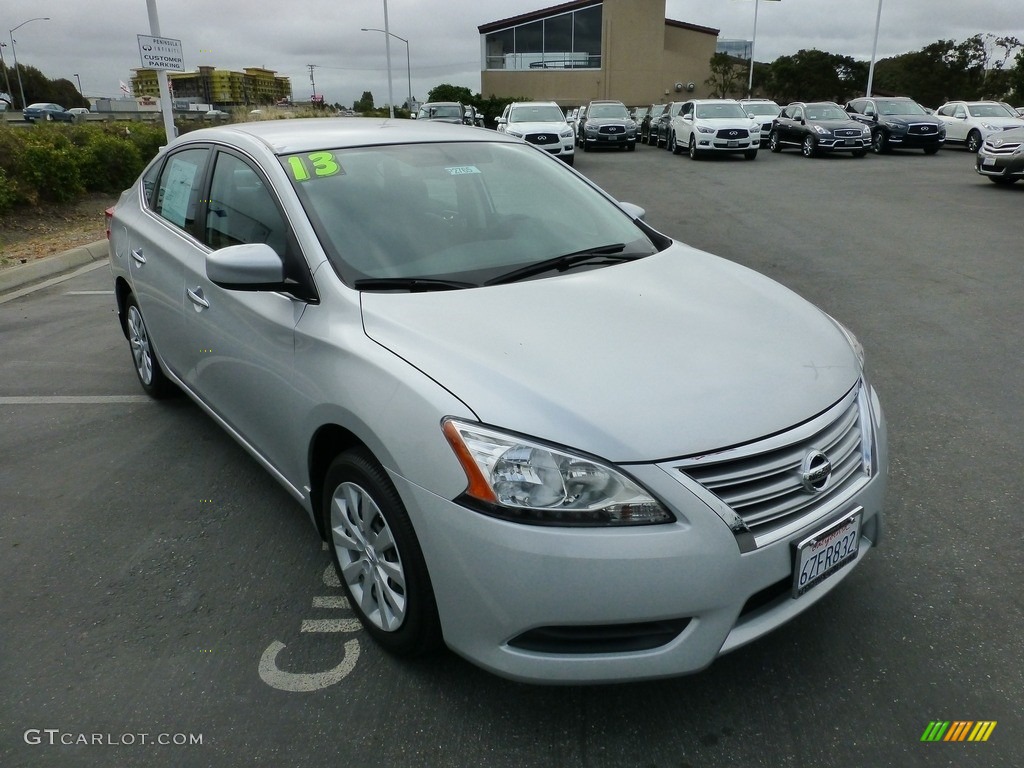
(753, 43)
(80, 92)
(408, 59)
(7, 77)
(874, 49)
(14, 53)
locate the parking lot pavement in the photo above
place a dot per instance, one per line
(55, 266)
(158, 585)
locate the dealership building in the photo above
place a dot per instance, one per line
(614, 49)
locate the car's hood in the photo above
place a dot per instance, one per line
(676, 354)
(833, 125)
(537, 127)
(719, 123)
(1006, 123)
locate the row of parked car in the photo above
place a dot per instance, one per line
(993, 130)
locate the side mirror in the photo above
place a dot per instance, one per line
(247, 267)
(501, 121)
(634, 211)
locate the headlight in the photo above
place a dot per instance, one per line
(526, 481)
(820, 131)
(517, 134)
(865, 131)
(705, 129)
(590, 128)
(566, 134)
(989, 127)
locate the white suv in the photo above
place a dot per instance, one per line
(706, 126)
(542, 124)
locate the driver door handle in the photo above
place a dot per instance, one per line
(196, 297)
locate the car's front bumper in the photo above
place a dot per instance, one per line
(832, 144)
(537, 603)
(1006, 166)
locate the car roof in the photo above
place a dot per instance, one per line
(283, 137)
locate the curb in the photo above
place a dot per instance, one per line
(36, 271)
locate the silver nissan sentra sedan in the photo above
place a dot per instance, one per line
(530, 426)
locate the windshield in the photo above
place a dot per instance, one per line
(719, 111)
(989, 110)
(536, 114)
(826, 112)
(900, 107)
(443, 111)
(762, 109)
(608, 110)
(463, 212)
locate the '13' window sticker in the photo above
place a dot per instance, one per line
(315, 165)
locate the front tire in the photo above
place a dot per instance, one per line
(378, 557)
(147, 368)
(809, 148)
(774, 145)
(973, 142)
(879, 143)
(750, 154)
(692, 149)
(673, 146)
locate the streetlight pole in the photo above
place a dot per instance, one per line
(80, 92)
(753, 42)
(408, 59)
(874, 49)
(7, 77)
(14, 53)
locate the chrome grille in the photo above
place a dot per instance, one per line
(611, 129)
(542, 138)
(1004, 148)
(762, 482)
(922, 129)
(848, 133)
(731, 134)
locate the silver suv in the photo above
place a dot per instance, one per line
(607, 124)
(542, 124)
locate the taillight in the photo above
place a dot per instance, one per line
(108, 217)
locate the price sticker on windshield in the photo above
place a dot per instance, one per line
(462, 170)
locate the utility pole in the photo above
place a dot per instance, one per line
(312, 83)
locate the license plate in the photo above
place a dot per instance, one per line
(733, 144)
(989, 161)
(849, 142)
(824, 553)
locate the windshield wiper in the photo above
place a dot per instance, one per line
(608, 254)
(413, 284)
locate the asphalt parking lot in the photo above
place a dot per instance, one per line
(166, 603)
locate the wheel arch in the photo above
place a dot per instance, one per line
(328, 441)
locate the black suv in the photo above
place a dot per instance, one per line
(818, 127)
(607, 124)
(898, 123)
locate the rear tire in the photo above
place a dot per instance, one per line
(377, 555)
(973, 142)
(147, 368)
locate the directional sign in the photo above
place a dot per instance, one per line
(161, 53)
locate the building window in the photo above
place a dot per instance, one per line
(567, 41)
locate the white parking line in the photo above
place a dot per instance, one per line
(74, 399)
(330, 625)
(52, 281)
(331, 601)
(88, 293)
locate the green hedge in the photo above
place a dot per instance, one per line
(60, 163)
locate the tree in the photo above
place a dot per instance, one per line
(813, 75)
(364, 103)
(446, 92)
(726, 79)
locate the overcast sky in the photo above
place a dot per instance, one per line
(96, 39)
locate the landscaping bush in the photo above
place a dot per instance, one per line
(109, 163)
(8, 193)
